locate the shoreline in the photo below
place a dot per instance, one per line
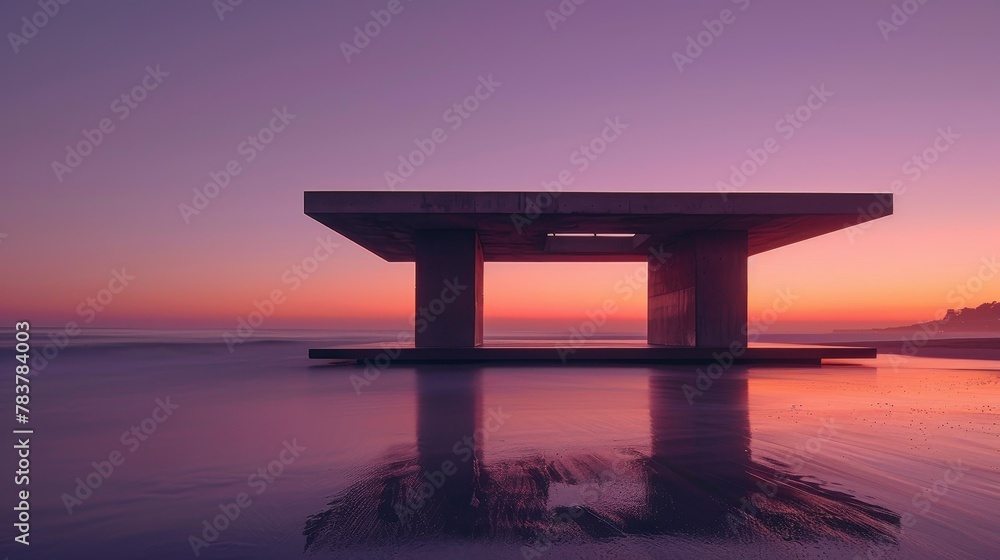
(956, 348)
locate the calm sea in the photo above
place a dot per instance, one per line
(164, 444)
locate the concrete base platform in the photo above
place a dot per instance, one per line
(384, 354)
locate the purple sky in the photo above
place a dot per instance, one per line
(352, 120)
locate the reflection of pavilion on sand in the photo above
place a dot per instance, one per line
(698, 480)
(694, 248)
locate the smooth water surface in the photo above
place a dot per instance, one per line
(497, 461)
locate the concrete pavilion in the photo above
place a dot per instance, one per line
(696, 245)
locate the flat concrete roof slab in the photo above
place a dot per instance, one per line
(515, 226)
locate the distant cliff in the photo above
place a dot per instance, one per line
(985, 318)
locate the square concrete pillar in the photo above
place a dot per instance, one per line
(698, 296)
(449, 288)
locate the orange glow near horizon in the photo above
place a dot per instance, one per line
(544, 297)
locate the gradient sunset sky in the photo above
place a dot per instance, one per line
(894, 87)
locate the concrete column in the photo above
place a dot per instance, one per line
(698, 297)
(449, 288)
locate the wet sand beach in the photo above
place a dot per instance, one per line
(871, 459)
